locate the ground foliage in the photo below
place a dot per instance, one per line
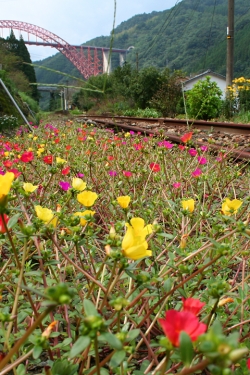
(104, 233)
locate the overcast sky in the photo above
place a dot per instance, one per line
(75, 21)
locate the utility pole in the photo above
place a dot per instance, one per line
(230, 43)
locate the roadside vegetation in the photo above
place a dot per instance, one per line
(121, 254)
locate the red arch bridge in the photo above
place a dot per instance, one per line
(84, 58)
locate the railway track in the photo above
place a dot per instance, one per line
(231, 137)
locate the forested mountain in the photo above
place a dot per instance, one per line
(191, 37)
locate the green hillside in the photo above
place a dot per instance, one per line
(191, 36)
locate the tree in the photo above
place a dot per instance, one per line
(204, 100)
(144, 84)
(18, 48)
(28, 70)
(168, 98)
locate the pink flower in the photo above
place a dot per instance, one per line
(80, 175)
(197, 172)
(176, 185)
(202, 160)
(192, 152)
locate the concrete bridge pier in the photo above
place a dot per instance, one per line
(122, 56)
(106, 62)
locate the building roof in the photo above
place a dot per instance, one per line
(206, 73)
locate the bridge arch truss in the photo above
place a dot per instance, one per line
(88, 64)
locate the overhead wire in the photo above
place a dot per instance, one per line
(162, 29)
(210, 32)
(166, 23)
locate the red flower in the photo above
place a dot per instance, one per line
(15, 172)
(154, 167)
(2, 226)
(248, 363)
(66, 171)
(127, 173)
(7, 163)
(68, 147)
(138, 146)
(177, 321)
(186, 137)
(110, 157)
(57, 140)
(181, 147)
(192, 305)
(27, 156)
(48, 159)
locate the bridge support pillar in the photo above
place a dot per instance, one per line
(106, 62)
(122, 56)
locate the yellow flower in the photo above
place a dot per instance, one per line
(29, 188)
(35, 138)
(83, 216)
(46, 333)
(46, 215)
(5, 185)
(230, 207)
(123, 201)
(188, 205)
(78, 184)
(60, 160)
(134, 245)
(87, 198)
(6, 153)
(183, 242)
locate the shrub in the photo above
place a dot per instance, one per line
(204, 100)
(7, 122)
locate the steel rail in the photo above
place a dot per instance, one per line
(237, 128)
(238, 154)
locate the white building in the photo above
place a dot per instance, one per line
(215, 77)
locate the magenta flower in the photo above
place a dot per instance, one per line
(197, 172)
(64, 185)
(204, 148)
(202, 160)
(112, 173)
(192, 152)
(176, 185)
(80, 175)
(165, 144)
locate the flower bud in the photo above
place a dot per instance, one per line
(237, 354)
